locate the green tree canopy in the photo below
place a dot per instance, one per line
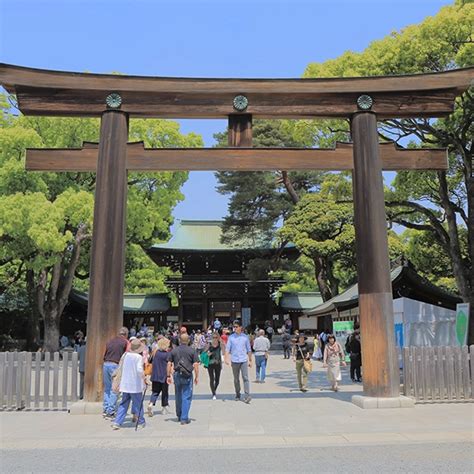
(46, 218)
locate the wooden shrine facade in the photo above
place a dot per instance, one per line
(211, 281)
(117, 98)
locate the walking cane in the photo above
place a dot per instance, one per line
(141, 406)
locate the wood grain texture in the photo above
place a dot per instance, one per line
(240, 130)
(239, 159)
(80, 103)
(381, 378)
(105, 310)
(43, 92)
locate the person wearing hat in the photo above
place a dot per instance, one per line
(301, 352)
(132, 384)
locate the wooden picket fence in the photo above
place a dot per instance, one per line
(38, 380)
(435, 374)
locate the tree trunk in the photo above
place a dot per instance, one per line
(51, 330)
(33, 329)
(322, 279)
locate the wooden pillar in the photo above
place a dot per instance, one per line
(105, 311)
(380, 365)
(240, 130)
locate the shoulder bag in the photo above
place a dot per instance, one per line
(307, 364)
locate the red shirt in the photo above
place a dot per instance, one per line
(224, 338)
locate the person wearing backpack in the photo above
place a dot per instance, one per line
(183, 361)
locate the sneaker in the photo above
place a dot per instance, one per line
(237, 398)
(247, 400)
(185, 422)
(304, 390)
(214, 397)
(115, 426)
(165, 411)
(109, 416)
(149, 410)
(140, 426)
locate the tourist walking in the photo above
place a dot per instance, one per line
(132, 385)
(114, 350)
(182, 362)
(159, 383)
(214, 367)
(81, 355)
(333, 358)
(239, 354)
(355, 356)
(270, 332)
(301, 353)
(261, 346)
(286, 341)
(217, 325)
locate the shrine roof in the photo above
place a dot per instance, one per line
(406, 282)
(300, 301)
(132, 303)
(205, 235)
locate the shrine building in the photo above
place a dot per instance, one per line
(210, 280)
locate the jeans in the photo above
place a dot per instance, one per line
(183, 395)
(286, 351)
(110, 398)
(260, 367)
(214, 376)
(157, 388)
(301, 374)
(137, 407)
(237, 368)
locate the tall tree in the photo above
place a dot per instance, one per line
(260, 201)
(46, 218)
(441, 203)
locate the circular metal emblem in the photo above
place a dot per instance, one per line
(113, 100)
(365, 102)
(240, 102)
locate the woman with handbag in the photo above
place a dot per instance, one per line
(333, 358)
(131, 383)
(159, 384)
(302, 359)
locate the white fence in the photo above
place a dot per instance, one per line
(434, 374)
(38, 380)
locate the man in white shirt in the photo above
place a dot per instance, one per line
(261, 346)
(132, 384)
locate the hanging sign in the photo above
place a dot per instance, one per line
(462, 323)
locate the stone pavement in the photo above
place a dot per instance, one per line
(278, 416)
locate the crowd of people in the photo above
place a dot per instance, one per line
(134, 363)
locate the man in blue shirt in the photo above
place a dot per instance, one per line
(239, 353)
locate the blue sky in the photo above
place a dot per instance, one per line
(213, 38)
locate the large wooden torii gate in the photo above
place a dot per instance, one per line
(116, 98)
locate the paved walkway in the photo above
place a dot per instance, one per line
(279, 415)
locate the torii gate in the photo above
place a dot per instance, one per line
(362, 100)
